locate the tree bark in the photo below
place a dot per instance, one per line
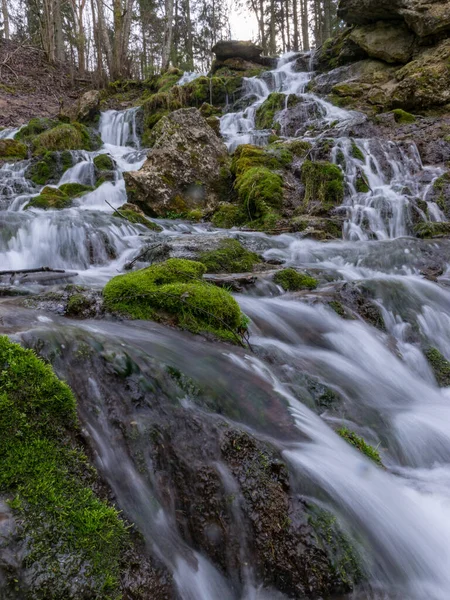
(168, 33)
(5, 19)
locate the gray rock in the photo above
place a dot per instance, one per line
(390, 42)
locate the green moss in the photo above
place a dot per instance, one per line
(135, 217)
(76, 304)
(293, 281)
(299, 148)
(228, 215)
(324, 184)
(50, 198)
(430, 229)
(168, 79)
(259, 189)
(361, 184)
(13, 150)
(230, 257)
(75, 190)
(66, 137)
(50, 168)
(265, 114)
(175, 289)
(440, 366)
(49, 480)
(103, 162)
(246, 156)
(195, 215)
(357, 152)
(360, 444)
(34, 128)
(338, 308)
(402, 117)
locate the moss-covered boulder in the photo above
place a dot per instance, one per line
(318, 228)
(134, 214)
(104, 162)
(431, 229)
(440, 366)
(293, 281)
(49, 199)
(174, 291)
(266, 113)
(70, 540)
(49, 168)
(229, 257)
(74, 136)
(34, 128)
(228, 215)
(12, 150)
(187, 169)
(324, 186)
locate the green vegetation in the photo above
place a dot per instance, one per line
(293, 281)
(50, 198)
(360, 444)
(75, 190)
(174, 291)
(66, 136)
(247, 156)
(324, 185)
(195, 215)
(104, 162)
(357, 152)
(50, 482)
(430, 229)
(135, 216)
(440, 366)
(230, 257)
(402, 117)
(361, 184)
(50, 168)
(265, 115)
(228, 215)
(258, 189)
(298, 148)
(12, 150)
(168, 79)
(34, 128)
(76, 304)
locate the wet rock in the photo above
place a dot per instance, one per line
(184, 170)
(385, 41)
(247, 51)
(72, 301)
(439, 193)
(358, 299)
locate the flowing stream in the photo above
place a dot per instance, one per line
(398, 517)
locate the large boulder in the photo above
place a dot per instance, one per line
(386, 41)
(185, 169)
(88, 107)
(237, 49)
(424, 17)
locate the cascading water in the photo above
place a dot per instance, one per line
(398, 517)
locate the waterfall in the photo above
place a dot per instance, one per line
(119, 127)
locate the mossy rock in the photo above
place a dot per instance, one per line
(228, 215)
(230, 257)
(50, 168)
(174, 290)
(358, 442)
(13, 150)
(440, 366)
(74, 190)
(133, 214)
(265, 114)
(319, 228)
(34, 128)
(357, 152)
(167, 80)
(246, 156)
(104, 162)
(324, 186)
(293, 281)
(298, 148)
(361, 184)
(402, 117)
(66, 136)
(431, 229)
(50, 199)
(73, 539)
(259, 189)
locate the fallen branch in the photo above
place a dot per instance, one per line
(115, 210)
(37, 270)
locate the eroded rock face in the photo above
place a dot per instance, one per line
(390, 42)
(88, 107)
(185, 168)
(423, 17)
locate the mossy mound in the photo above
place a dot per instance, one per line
(12, 150)
(440, 366)
(168, 79)
(73, 539)
(361, 184)
(402, 117)
(259, 189)
(319, 228)
(430, 229)
(50, 199)
(75, 190)
(228, 215)
(50, 168)
(359, 443)
(230, 257)
(133, 214)
(265, 114)
(298, 148)
(324, 186)
(175, 290)
(357, 152)
(104, 162)
(34, 128)
(293, 281)
(66, 136)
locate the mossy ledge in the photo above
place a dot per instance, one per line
(358, 442)
(72, 537)
(293, 281)
(174, 292)
(440, 366)
(230, 257)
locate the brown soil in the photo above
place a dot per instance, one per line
(32, 87)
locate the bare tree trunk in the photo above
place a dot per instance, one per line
(305, 25)
(189, 44)
(168, 33)
(296, 45)
(57, 30)
(288, 27)
(272, 29)
(5, 19)
(103, 35)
